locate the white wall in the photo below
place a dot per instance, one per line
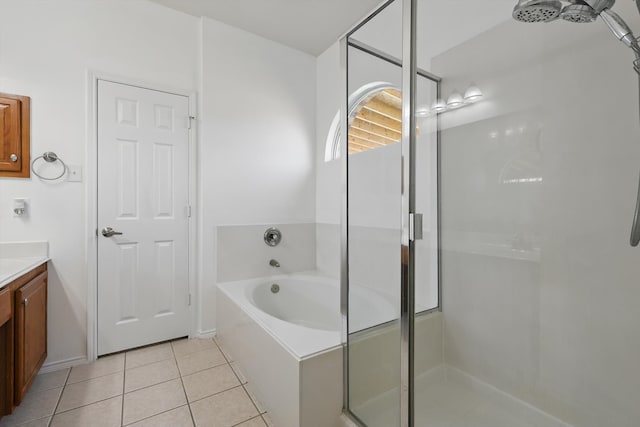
(46, 49)
(328, 98)
(256, 128)
(257, 143)
(243, 254)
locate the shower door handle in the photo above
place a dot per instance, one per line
(415, 226)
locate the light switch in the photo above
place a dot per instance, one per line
(74, 173)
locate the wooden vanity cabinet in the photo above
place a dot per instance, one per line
(6, 351)
(23, 335)
(30, 333)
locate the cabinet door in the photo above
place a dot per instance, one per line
(6, 351)
(31, 332)
(14, 135)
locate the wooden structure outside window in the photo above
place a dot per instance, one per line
(378, 122)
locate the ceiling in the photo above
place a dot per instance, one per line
(307, 25)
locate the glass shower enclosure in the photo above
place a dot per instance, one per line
(489, 169)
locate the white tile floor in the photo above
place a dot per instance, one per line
(177, 384)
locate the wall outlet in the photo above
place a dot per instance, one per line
(74, 173)
(20, 205)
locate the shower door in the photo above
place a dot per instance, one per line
(523, 162)
(374, 230)
(379, 166)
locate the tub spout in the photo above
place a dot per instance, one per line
(274, 263)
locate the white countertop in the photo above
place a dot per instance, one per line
(18, 258)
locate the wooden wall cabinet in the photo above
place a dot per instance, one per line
(15, 112)
(23, 335)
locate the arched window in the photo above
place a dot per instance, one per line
(375, 120)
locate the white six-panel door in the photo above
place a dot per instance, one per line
(143, 187)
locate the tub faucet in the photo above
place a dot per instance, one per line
(274, 263)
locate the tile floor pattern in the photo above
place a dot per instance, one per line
(175, 384)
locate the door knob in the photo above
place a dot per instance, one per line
(108, 232)
(14, 158)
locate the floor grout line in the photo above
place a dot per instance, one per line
(155, 415)
(229, 363)
(64, 386)
(193, 420)
(248, 419)
(252, 400)
(201, 370)
(150, 363)
(243, 385)
(149, 386)
(88, 404)
(197, 351)
(215, 394)
(93, 378)
(30, 421)
(124, 382)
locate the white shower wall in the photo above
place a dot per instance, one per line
(546, 166)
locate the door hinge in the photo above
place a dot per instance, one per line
(415, 226)
(189, 299)
(191, 119)
(188, 211)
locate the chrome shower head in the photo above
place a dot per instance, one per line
(579, 13)
(597, 5)
(537, 10)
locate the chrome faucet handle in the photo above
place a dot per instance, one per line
(272, 236)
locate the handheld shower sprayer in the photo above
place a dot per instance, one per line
(620, 29)
(585, 11)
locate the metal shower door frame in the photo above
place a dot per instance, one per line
(407, 248)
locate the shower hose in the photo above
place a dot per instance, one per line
(635, 228)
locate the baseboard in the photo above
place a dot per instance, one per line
(63, 364)
(209, 333)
